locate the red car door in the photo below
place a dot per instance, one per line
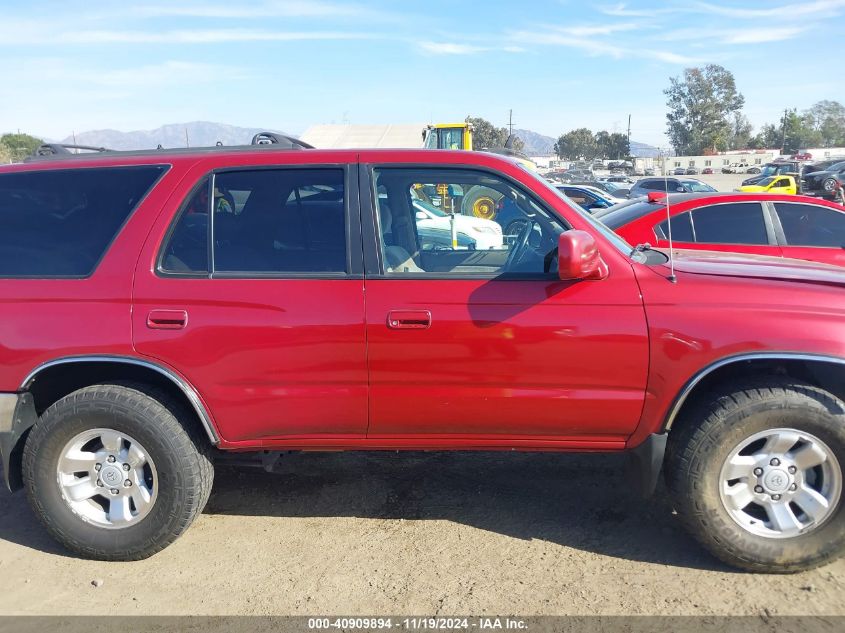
(811, 231)
(265, 319)
(477, 346)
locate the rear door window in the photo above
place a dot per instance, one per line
(681, 229)
(811, 225)
(733, 223)
(60, 222)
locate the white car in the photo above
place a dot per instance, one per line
(484, 234)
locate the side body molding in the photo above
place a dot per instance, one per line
(185, 387)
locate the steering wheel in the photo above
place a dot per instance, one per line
(520, 245)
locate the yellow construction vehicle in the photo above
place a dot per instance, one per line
(448, 136)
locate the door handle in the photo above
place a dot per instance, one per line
(409, 319)
(167, 319)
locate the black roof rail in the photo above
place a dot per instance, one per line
(273, 138)
(269, 140)
(61, 149)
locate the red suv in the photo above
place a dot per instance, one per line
(160, 308)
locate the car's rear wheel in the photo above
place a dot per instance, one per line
(756, 473)
(114, 473)
(829, 185)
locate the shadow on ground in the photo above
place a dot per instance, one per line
(582, 501)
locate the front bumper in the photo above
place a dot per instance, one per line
(17, 415)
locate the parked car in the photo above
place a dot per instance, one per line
(772, 184)
(149, 328)
(753, 170)
(675, 185)
(802, 156)
(822, 165)
(619, 178)
(649, 172)
(472, 232)
(679, 171)
(824, 183)
(691, 171)
(735, 168)
(589, 198)
(776, 168)
(778, 225)
(707, 170)
(615, 190)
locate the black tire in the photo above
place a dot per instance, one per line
(703, 439)
(185, 471)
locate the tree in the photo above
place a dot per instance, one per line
(797, 132)
(485, 134)
(828, 119)
(578, 144)
(741, 132)
(618, 146)
(5, 155)
(701, 104)
(19, 146)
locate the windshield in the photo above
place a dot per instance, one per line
(611, 186)
(696, 186)
(765, 182)
(612, 237)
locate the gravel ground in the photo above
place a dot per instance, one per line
(413, 534)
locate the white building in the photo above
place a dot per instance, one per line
(369, 136)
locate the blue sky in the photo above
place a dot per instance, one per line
(287, 64)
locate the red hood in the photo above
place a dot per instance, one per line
(759, 266)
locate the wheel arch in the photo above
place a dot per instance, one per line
(54, 379)
(827, 372)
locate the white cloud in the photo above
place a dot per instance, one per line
(267, 9)
(203, 36)
(751, 35)
(794, 11)
(454, 48)
(589, 30)
(596, 48)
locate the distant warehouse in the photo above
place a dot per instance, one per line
(352, 136)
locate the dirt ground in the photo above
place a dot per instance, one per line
(411, 534)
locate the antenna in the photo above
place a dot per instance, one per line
(672, 277)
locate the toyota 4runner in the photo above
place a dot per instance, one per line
(161, 308)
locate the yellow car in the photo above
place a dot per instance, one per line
(773, 184)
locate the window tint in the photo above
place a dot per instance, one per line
(264, 221)
(484, 225)
(59, 223)
(655, 185)
(187, 247)
(279, 220)
(681, 229)
(811, 225)
(738, 223)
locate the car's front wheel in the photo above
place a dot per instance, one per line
(756, 473)
(114, 474)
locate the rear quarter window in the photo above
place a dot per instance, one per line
(60, 222)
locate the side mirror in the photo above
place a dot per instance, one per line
(421, 215)
(578, 257)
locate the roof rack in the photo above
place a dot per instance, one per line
(63, 150)
(57, 149)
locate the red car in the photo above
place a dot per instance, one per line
(799, 227)
(707, 170)
(163, 308)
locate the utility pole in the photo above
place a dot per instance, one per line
(510, 122)
(187, 142)
(629, 134)
(783, 139)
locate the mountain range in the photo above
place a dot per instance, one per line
(205, 133)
